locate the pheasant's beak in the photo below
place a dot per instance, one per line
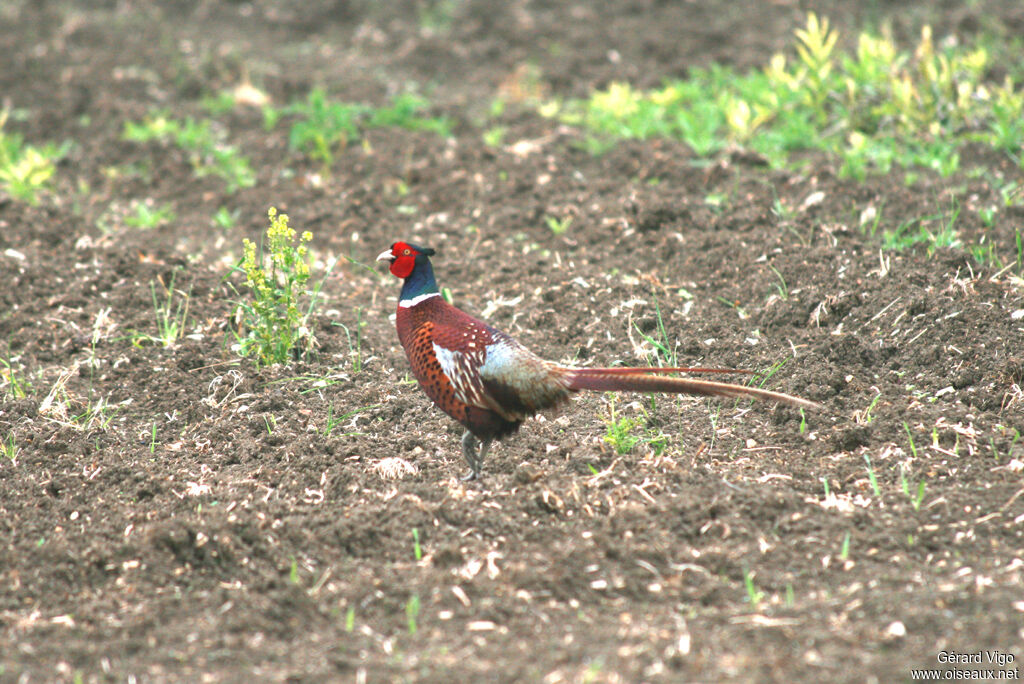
(386, 255)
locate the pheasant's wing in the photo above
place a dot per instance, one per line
(489, 369)
(461, 365)
(445, 372)
(519, 380)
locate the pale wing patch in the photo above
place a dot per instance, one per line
(462, 371)
(528, 376)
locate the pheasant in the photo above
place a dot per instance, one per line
(490, 383)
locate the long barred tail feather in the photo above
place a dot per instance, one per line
(642, 380)
(657, 370)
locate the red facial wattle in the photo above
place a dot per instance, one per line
(403, 264)
(403, 260)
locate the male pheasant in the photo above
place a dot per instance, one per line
(490, 383)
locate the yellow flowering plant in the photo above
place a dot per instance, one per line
(271, 327)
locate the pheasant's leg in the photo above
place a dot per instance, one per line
(469, 450)
(480, 457)
(474, 456)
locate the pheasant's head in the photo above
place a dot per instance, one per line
(405, 257)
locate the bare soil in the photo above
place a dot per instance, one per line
(208, 526)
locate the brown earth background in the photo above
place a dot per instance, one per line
(208, 526)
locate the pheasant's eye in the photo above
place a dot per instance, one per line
(406, 252)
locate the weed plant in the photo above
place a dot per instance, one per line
(621, 432)
(13, 386)
(171, 318)
(170, 312)
(25, 170)
(204, 143)
(145, 215)
(272, 327)
(355, 340)
(322, 126)
(663, 352)
(877, 107)
(10, 449)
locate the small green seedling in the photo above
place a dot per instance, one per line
(781, 287)
(910, 438)
(333, 421)
(350, 619)
(754, 595)
(224, 218)
(1019, 238)
(412, 611)
(558, 226)
(416, 550)
(494, 136)
(871, 476)
(915, 498)
(867, 416)
(736, 306)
